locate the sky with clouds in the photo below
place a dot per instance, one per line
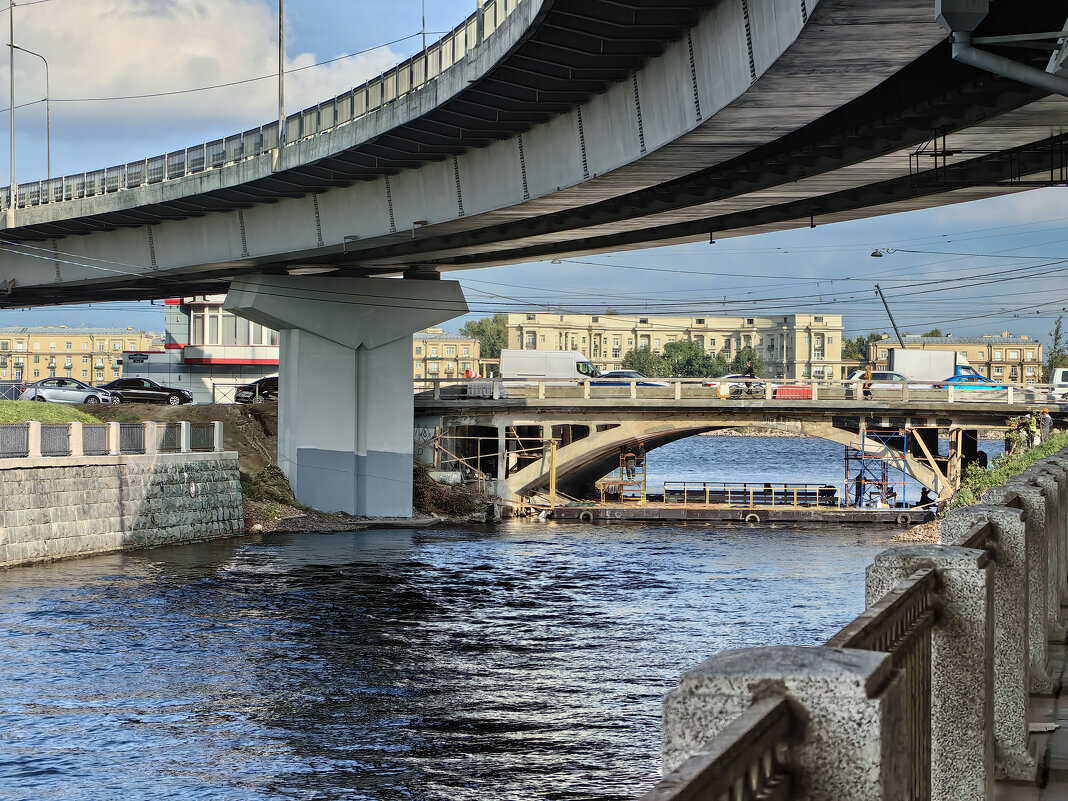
(968, 269)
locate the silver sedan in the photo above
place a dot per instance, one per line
(65, 390)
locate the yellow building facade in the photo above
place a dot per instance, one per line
(792, 345)
(92, 355)
(438, 354)
(1004, 358)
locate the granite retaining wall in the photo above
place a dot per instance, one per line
(57, 508)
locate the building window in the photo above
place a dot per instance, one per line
(997, 354)
(36, 345)
(979, 355)
(656, 342)
(36, 359)
(101, 346)
(85, 360)
(85, 346)
(432, 368)
(5, 344)
(433, 350)
(542, 337)
(70, 346)
(1014, 354)
(36, 373)
(531, 317)
(466, 351)
(1029, 355)
(450, 350)
(418, 350)
(643, 320)
(817, 319)
(964, 355)
(1029, 370)
(997, 370)
(630, 340)
(117, 345)
(85, 373)
(699, 321)
(51, 345)
(99, 375)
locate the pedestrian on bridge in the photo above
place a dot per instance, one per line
(1046, 423)
(866, 386)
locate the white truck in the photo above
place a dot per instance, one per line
(918, 364)
(545, 365)
(1058, 380)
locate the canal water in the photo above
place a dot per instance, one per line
(522, 661)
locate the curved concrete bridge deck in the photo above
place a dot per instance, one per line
(576, 126)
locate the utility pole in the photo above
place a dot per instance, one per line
(281, 87)
(11, 114)
(878, 291)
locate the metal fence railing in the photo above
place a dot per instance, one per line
(131, 438)
(201, 437)
(94, 439)
(168, 438)
(14, 440)
(55, 440)
(413, 73)
(10, 391)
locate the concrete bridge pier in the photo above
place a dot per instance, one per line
(345, 383)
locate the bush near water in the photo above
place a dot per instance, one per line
(977, 480)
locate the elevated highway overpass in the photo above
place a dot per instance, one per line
(536, 129)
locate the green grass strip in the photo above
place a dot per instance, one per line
(25, 411)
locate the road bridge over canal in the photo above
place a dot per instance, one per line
(589, 431)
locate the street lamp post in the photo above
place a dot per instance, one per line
(48, 110)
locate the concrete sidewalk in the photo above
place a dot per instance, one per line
(1048, 718)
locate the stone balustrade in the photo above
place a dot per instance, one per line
(924, 696)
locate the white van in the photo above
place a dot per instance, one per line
(1059, 381)
(542, 365)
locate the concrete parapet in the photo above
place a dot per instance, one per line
(851, 704)
(962, 709)
(1012, 657)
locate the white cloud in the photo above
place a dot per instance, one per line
(107, 48)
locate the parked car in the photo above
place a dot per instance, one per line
(65, 390)
(884, 379)
(968, 382)
(261, 391)
(145, 390)
(622, 378)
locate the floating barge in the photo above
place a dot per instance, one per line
(676, 512)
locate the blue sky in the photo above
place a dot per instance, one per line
(967, 269)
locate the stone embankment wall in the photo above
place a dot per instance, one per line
(56, 508)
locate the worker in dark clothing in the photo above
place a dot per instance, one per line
(639, 453)
(630, 459)
(858, 489)
(925, 498)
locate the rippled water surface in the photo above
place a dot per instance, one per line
(526, 661)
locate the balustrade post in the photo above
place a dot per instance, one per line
(114, 434)
(678, 389)
(217, 437)
(34, 444)
(851, 704)
(151, 437)
(1057, 468)
(77, 440)
(184, 437)
(1038, 491)
(961, 703)
(1013, 655)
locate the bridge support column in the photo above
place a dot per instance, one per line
(345, 405)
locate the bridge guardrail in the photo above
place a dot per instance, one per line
(713, 389)
(413, 73)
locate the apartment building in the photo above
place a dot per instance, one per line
(792, 346)
(438, 354)
(208, 350)
(1005, 358)
(92, 355)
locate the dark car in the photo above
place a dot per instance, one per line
(145, 390)
(262, 391)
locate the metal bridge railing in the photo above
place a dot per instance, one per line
(168, 437)
(95, 439)
(131, 438)
(33, 439)
(202, 436)
(14, 440)
(395, 83)
(55, 440)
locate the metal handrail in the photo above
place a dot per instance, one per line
(900, 624)
(745, 762)
(396, 82)
(749, 494)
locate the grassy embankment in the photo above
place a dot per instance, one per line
(977, 480)
(25, 411)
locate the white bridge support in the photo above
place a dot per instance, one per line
(345, 383)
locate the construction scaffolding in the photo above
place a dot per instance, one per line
(875, 473)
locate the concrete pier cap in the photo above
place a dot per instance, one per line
(345, 403)
(849, 708)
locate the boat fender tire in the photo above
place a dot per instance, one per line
(903, 519)
(586, 517)
(752, 517)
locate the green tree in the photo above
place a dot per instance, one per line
(934, 332)
(644, 361)
(737, 364)
(491, 333)
(1057, 355)
(857, 348)
(686, 359)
